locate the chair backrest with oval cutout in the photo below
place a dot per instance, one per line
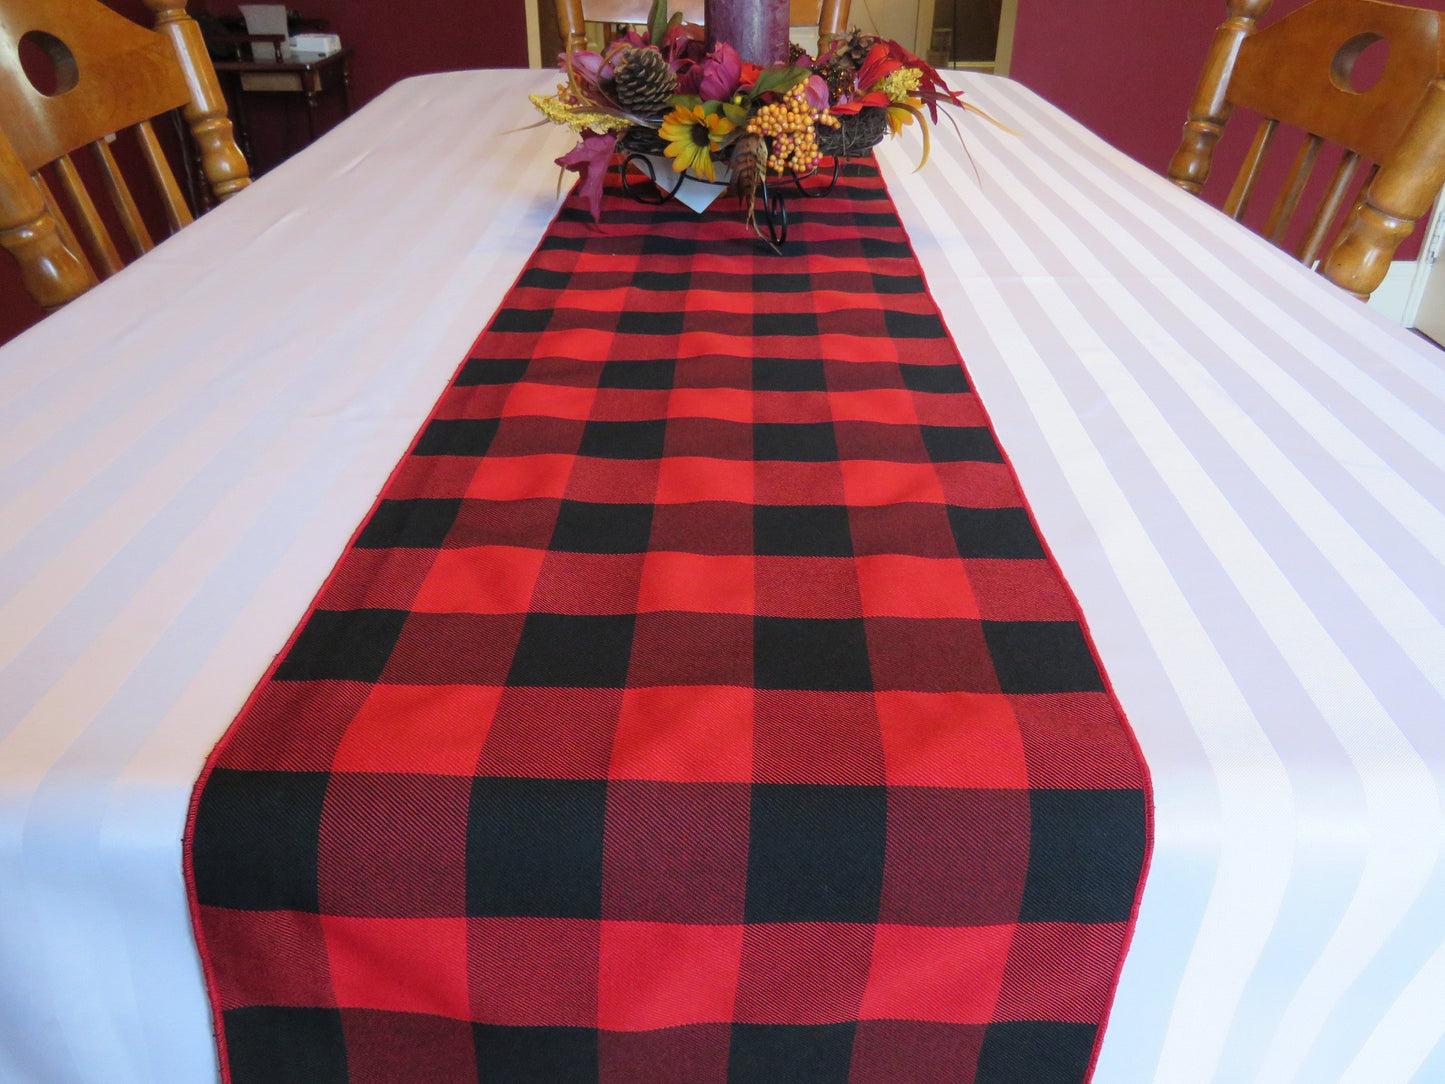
(1386, 115)
(75, 74)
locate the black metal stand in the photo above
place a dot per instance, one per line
(773, 212)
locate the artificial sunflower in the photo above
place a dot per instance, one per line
(692, 133)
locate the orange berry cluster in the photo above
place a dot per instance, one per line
(789, 126)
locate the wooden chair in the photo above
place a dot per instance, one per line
(830, 15)
(1298, 72)
(109, 75)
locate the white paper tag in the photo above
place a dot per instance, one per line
(696, 195)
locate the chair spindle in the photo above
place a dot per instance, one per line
(1282, 212)
(97, 239)
(121, 199)
(1238, 201)
(1314, 239)
(177, 213)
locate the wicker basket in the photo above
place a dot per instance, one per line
(854, 137)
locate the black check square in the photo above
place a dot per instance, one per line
(1086, 848)
(651, 323)
(938, 379)
(782, 284)
(585, 527)
(342, 645)
(542, 278)
(535, 1055)
(624, 440)
(659, 244)
(811, 653)
(960, 444)
(662, 281)
(877, 249)
(1042, 657)
(273, 1044)
(1035, 1052)
(573, 651)
(803, 324)
(420, 523)
(772, 1053)
(525, 321)
(642, 375)
(816, 853)
(801, 530)
(908, 325)
(534, 847)
(478, 371)
(457, 436)
(897, 284)
(994, 532)
(255, 842)
(553, 242)
(795, 442)
(789, 374)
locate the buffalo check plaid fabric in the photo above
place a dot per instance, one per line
(697, 703)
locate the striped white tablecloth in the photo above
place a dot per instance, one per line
(1238, 469)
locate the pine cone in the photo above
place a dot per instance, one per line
(643, 82)
(857, 48)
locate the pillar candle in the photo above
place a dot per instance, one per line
(757, 29)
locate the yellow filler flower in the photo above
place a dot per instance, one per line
(692, 135)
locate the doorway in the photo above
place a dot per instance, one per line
(973, 34)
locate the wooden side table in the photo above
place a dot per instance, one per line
(313, 78)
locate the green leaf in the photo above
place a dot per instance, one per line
(738, 114)
(657, 22)
(779, 80)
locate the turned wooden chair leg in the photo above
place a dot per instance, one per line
(1395, 200)
(1189, 168)
(52, 273)
(221, 160)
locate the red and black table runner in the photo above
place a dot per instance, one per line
(697, 703)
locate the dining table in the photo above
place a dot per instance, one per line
(1239, 470)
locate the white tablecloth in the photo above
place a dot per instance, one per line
(1238, 469)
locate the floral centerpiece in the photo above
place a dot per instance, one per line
(666, 91)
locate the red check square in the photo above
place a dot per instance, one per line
(873, 483)
(549, 401)
(951, 740)
(432, 729)
(480, 579)
(730, 404)
(416, 965)
(891, 405)
(663, 974)
(951, 974)
(689, 734)
(518, 478)
(683, 479)
(698, 582)
(896, 585)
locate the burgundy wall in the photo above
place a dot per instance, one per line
(1127, 70)
(392, 41)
